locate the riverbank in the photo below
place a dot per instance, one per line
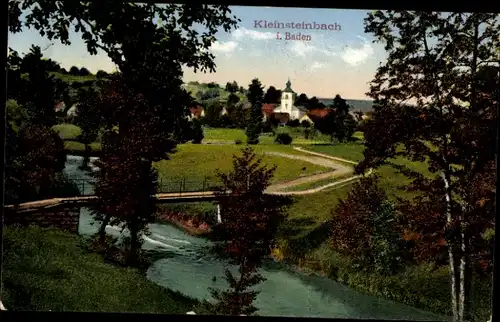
(424, 287)
(191, 224)
(47, 269)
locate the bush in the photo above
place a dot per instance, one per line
(197, 132)
(293, 123)
(283, 138)
(305, 124)
(238, 141)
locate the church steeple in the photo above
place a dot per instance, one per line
(288, 87)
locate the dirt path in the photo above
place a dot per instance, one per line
(338, 170)
(324, 155)
(319, 159)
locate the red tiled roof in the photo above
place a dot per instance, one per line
(268, 109)
(318, 113)
(59, 106)
(196, 110)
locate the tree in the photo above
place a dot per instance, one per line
(255, 96)
(89, 119)
(101, 74)
(232, 99)
(436, 60)
(196, 131)
(232, 87)
(272, 96)
(302, 100)
(247, 232)
(213, 114)
(363, 227)
(349, 126)
(75, 71)
(34, 158)
(16, 115)
(146, 101)
(83, 72)
(39, 91)
(314, 103)
(126, 186)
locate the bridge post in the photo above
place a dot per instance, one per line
(219, 217)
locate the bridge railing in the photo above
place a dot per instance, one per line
(165, 184)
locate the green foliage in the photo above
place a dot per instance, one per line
(88, 118)
(232, 87)
(255, 93)
(453, 124)
(284, 138)
(272, 96)
(16, 115)
(32, 86)
(42, 267)
(67, 131)
(366, 228)
(255, 96)
(34, 158)
(247, 232)
(338, 124)
(386, 244)
(196, 131)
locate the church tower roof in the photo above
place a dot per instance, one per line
(288, 87)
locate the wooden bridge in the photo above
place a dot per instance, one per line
(162, 198)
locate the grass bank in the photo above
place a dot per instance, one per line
(197, 161)
(425, 286)
(46, 269)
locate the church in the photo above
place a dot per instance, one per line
(286, 111)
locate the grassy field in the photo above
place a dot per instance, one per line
(77, 148)
(197, 161)
(72, 78)
(46, 269)
(67, 131)
(231, 135)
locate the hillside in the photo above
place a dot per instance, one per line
(204, 93)
(67, 78)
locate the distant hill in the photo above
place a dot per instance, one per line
(357, 105)
(204, 93)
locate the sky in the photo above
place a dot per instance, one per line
(326, 63)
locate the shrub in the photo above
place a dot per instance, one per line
(238, 141)
(283, 138)
(293, 123)
(305, 124)
(197, 132)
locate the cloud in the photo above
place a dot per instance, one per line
(357, 56)
(352, 55)
(252, 34)
(302, 49)
(316, 65)
(224, 47)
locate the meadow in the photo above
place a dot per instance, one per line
(48, 269)
(197, 162)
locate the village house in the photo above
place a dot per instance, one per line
(196, 112)
(287, 111)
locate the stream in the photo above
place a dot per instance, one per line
(183, 265)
